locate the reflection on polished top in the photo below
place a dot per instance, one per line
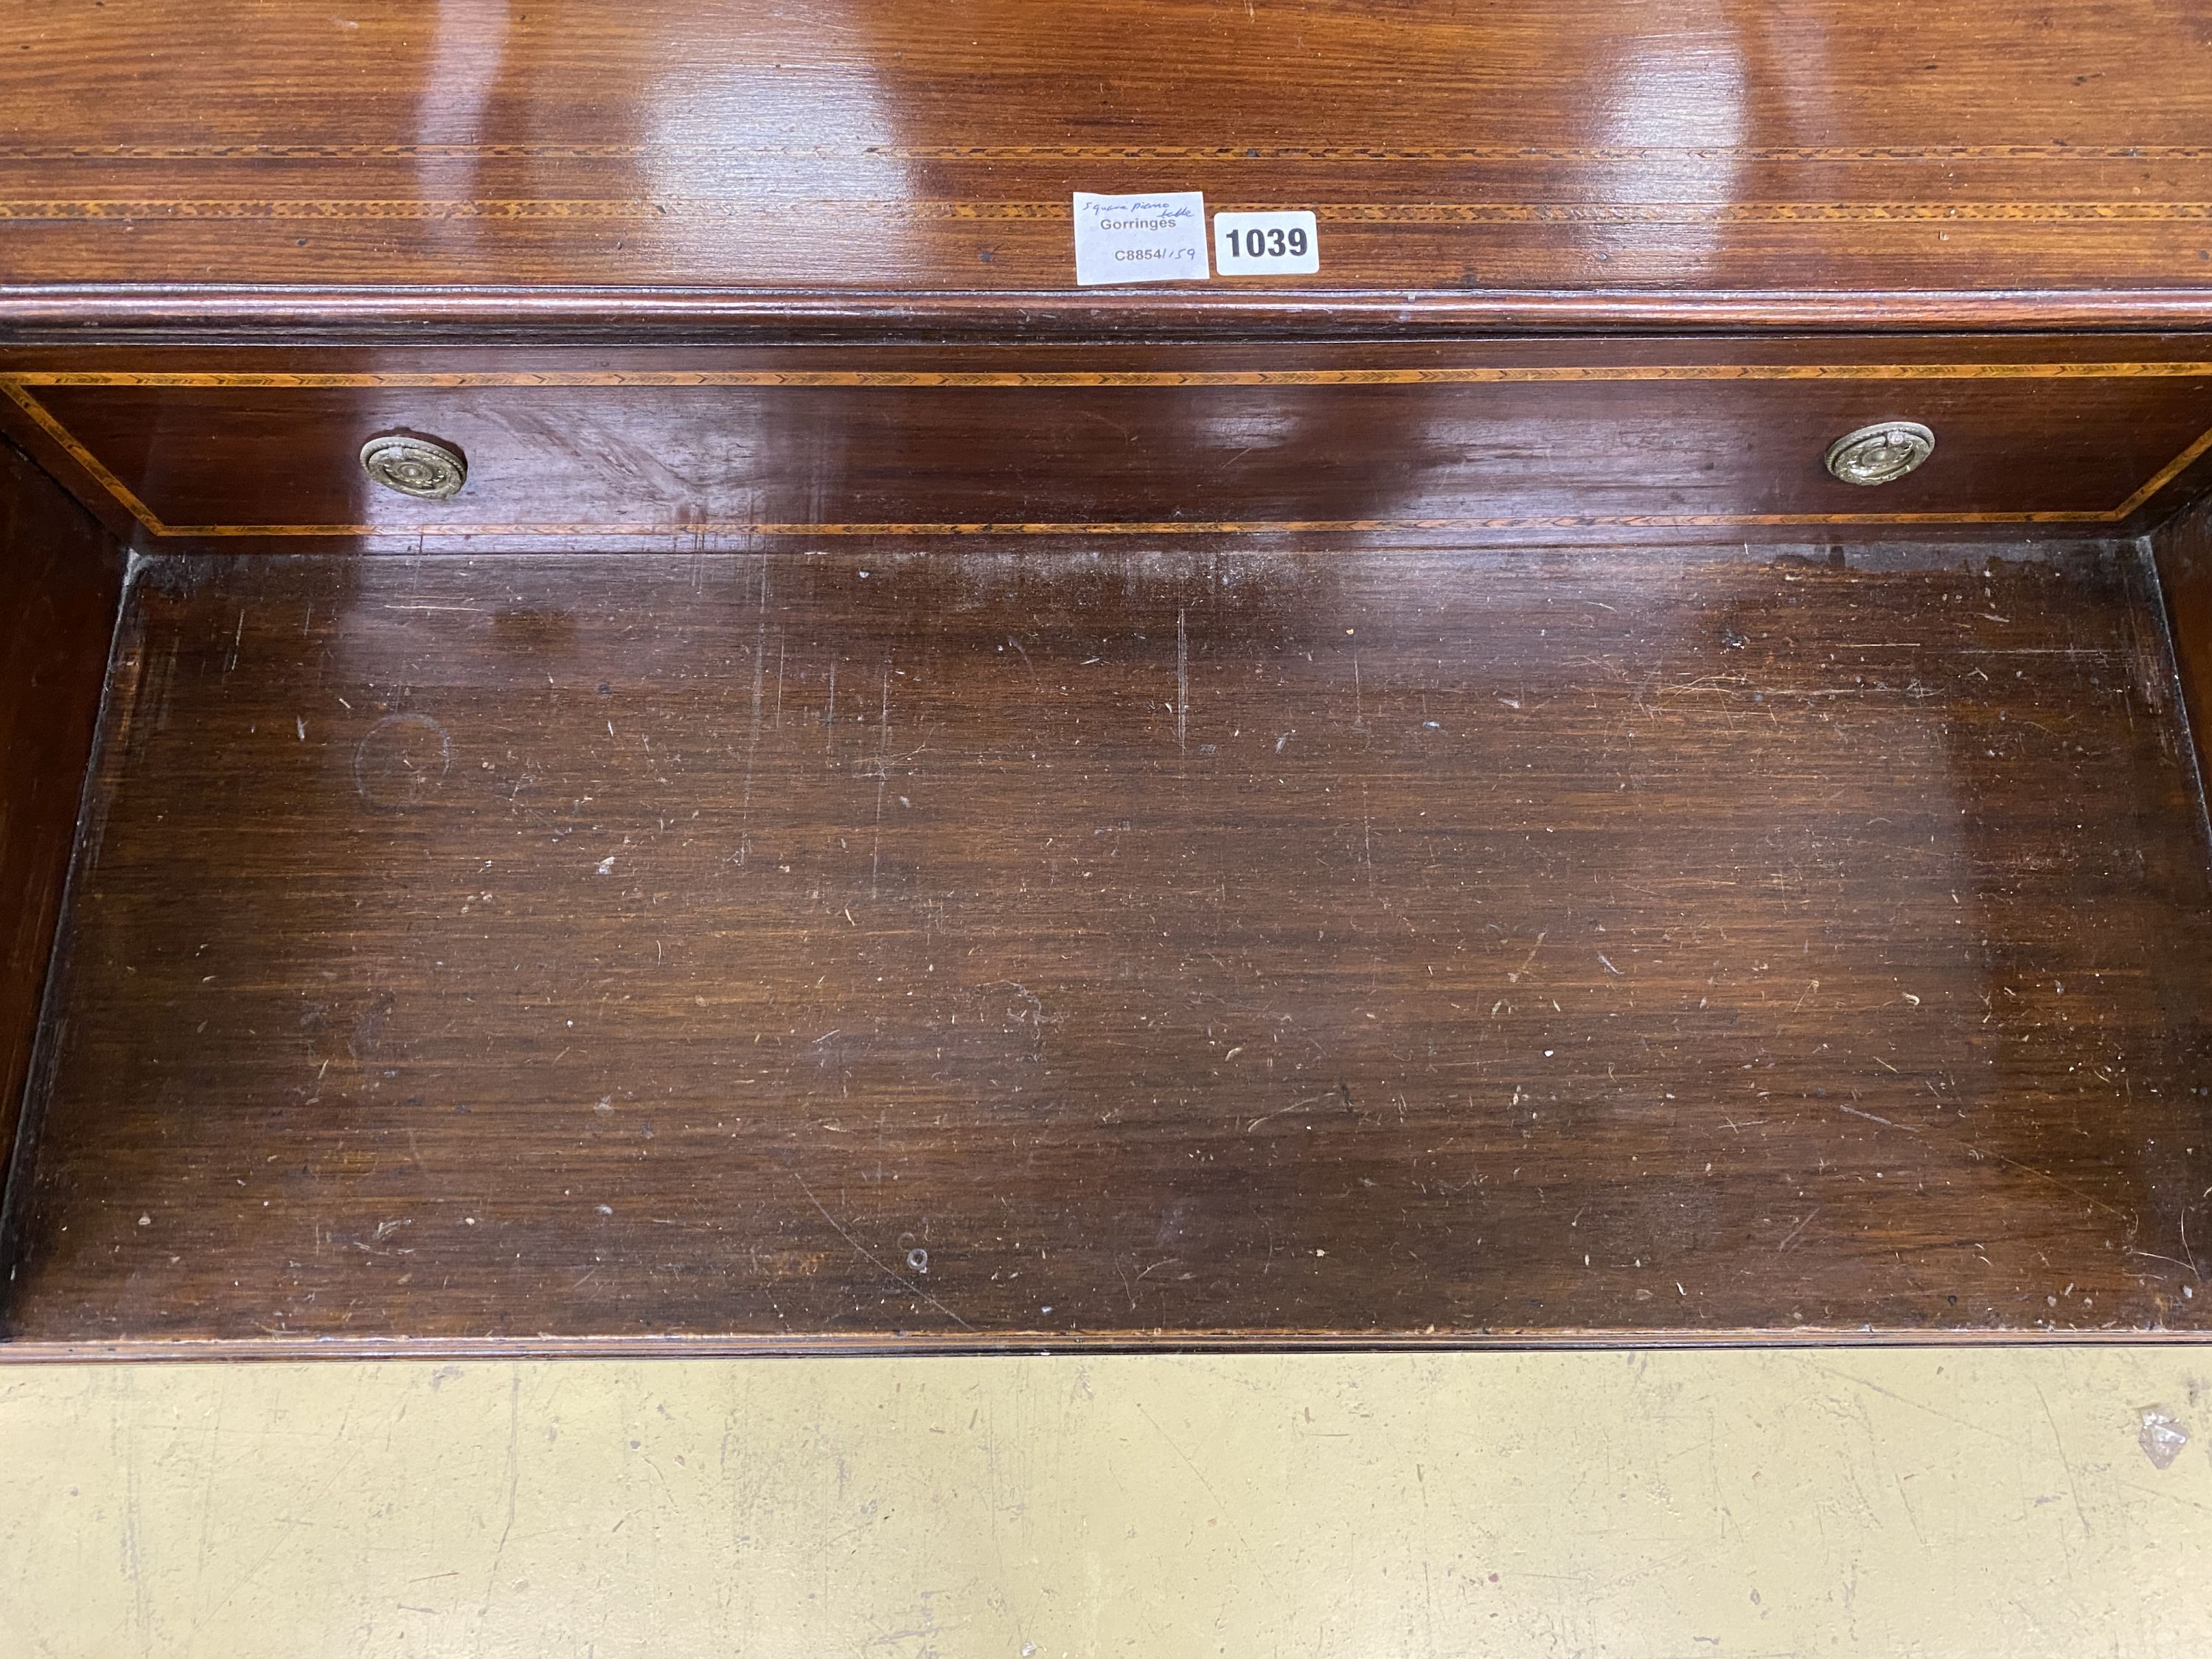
(1772, 145)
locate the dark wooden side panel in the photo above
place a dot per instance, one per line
(2184, 550)
(60, 578)
(863, 946)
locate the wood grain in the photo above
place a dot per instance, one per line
(288, 314)
(866, 948)
(1450, 149)
(60, 579)
(1592, 439)
(2182, 551)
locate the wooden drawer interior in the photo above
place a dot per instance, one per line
(868, 947)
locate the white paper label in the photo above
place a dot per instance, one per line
(1266, 244)
(1140, 239)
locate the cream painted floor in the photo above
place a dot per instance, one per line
(1950, 1502)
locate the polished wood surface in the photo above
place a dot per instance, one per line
(259, 314)
(1593, 439)
(1477, 155)
(1208, 812)
(867, 948)
(60, 580)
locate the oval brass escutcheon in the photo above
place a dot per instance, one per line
(1880, 453)
(415, 466)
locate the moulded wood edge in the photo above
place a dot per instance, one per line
(46, 314)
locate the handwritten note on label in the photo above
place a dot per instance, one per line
(1140, 239)
(1266, 244)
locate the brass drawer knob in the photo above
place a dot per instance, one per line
(1880, 453)
(415, 466)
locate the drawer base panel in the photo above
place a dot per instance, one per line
(867, 949)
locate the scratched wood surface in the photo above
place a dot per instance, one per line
(61, 578)
(2183, 553)
(869, 947)
(1539, 147)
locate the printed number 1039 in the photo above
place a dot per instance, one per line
(1264, 244)
(1277, 244)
